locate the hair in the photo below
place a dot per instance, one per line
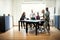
(37, 12)
(46, 8)
(23, 13)
(32, 11)
(43, 11)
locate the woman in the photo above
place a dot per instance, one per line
(22, 18)
(37, 17)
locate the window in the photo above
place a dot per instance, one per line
(36, 7)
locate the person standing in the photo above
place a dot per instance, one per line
(47, 18)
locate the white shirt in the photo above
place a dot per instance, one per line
(32, 15)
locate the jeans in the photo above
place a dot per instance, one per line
(46, 26)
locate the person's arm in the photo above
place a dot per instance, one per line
(41, 16)
(44, 16)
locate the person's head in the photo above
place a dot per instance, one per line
(43, 11)
(23, 13)
(37, 13)
(32, 11)
(46, 8)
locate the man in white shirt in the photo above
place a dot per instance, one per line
(32, 15)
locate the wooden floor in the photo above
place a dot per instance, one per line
(14, 34)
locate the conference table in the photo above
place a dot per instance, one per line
(36, 22)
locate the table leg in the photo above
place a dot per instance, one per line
(19, 25)
(26, 27)
(36, 28)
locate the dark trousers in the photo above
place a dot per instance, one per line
(47, 26)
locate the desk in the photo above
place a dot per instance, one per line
(36, 22)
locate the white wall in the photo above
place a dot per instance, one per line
(27, 7)
(50, 3)
(5, 7)
(57, 7)
(16, 10)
